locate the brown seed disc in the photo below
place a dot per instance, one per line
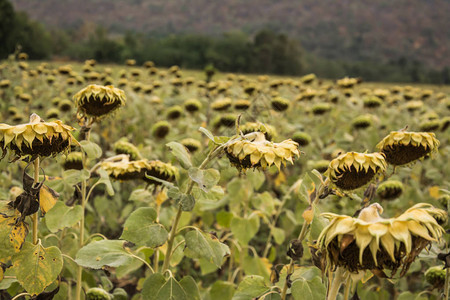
(352, 179)
(94, 106)
(398, 155)
(45, 148)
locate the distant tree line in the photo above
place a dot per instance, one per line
(266, 52)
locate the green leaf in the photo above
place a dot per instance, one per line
(257, 266)
(141, 229)
(140, 195)
(37, 267)
(187, 202)
(152, 285)
(308, 289)
(264, 202)
(207, 133)
(221, 290)
(6, 247)
(224, 218)
(190, 287)
(61, 216)
(97, 254)
(104, 179)
(206, 179)
(256, 178)
(181, 153)
(206, 247)
(278, 235)
(92, 150)
(317, 224)
(244, 229)
(171, 290)
(71, 177)
(271, 296)
(251, 287)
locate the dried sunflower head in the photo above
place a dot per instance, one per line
(353, 170)
(435, 276)
(97, 100)
(161, 129)
(242, 104)
(402, 147)
(36, 138)
(74, 160)
(124, 169)
(160, 170)
(191, 144)
(122, 146)
(221, 104)
(280, 104)
(268, 130)
(254, 151)
(362, 121)
(302, 138)
(390, 189)
(192, 105)
(371, 242)
(174, 112)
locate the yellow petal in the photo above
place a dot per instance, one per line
(40, 128)
(388, 243)
(363, 239)
(419, 230)
(400, 231)
(29, 136)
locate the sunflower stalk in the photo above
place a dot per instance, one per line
(338, 279)
(81, 235)
(173, 231)
(447, 283)
(35, 217)
(302, 236)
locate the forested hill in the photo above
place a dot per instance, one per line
(376, 30)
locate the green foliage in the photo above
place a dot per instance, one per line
(37, 267)
(140, 228)
(62, 216)
(97, 254)
(203, 245)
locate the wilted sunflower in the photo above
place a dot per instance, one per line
(268, 130)
(191, 144)
(36, 138)
(353, 170)
(161, 129)
(74, 160)
(192, 105)
(221, 104)
(254, 151)
(280, 104)
(402, 147)
(122, 146)
(371, 242)
(242, 104)
(125, 169)
(390, 189)
(436, 276)
(97, 101)
(160, 170)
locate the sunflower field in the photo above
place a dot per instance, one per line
(138, 182)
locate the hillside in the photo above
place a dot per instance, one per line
(384, 31)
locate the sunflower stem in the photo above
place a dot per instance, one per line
(348, 287)
(302, 236)
(35, 218)
(338, 280)
(447, 281)
(173, 231)
(81, 236)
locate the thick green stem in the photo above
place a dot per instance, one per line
(447, 280)
(35, 217)
(173, 230)
(172, 235)
(81, 236)
(301, 236)
(338, 280)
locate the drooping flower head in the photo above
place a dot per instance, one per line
(402, 147)
(254, 151)
(353, 170)
(36, 138)
(97, 100)
(124, 169)
(371, 242)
